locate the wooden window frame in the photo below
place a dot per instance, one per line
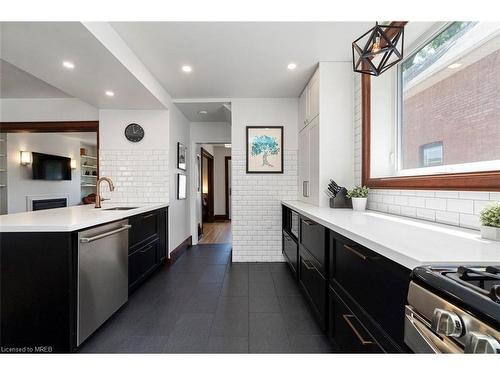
(479, 181)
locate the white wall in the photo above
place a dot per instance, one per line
(60, 109)
(179, 209)
(19, 178)
(256, 209)
(202, 132)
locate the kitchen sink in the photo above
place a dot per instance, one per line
(119, 208)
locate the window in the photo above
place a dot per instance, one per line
(438, 112)
(431, 154)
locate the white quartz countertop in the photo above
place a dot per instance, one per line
(409, 242)
(68, 219)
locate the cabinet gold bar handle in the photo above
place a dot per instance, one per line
(354, 251)
(146, 216)
(360, 338)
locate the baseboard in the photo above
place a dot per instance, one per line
(179, 250)
(220, 217)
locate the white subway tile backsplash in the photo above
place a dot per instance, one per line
(408, 211)
(480, 205)
(435, 203)
(469, 221)
(424, 193)
(495, 196)
(256, 213)
(446, 217)
(416, 202)
(446, 194)
(465, 206)
(426, 214)
(478, 195)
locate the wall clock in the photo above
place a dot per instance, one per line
(134, 132)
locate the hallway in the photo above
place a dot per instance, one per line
(217, 232)
(204, 303)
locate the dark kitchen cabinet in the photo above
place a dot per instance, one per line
(145, 228)
(148, 241)
(347, 330)
(313, 239)
(142, 263)
(314, 285)
(291, 252)
(377, 284)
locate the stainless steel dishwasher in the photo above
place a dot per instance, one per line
(102, 275)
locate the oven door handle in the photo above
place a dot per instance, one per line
(420, 338)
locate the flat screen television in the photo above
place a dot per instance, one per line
(50, 167)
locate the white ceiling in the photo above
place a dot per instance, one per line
(16, 83)
(40, 47)
(89, 138)
(217, 111)
(238, 59)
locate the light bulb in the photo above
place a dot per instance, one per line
(376, 45)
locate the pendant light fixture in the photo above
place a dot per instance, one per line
(378, 49)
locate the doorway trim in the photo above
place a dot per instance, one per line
(226, 184)
(210, 198)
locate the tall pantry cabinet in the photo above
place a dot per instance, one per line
(326, 132)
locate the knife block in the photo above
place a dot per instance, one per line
(341, 200)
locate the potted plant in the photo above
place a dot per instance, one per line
(490, 222)
(359, 197)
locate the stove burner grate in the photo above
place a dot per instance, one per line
(486, 282)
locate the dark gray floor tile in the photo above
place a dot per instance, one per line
(144, 344)
(192, 324)
(279, 267)
(262, 288)
(235, 284)
(227, 345)
(231, 317)
(187, 344)
(310, 344)
(213, 274)
(265, 303)
(285, 285)
(237, 268)
(202, 302)
(268, 333)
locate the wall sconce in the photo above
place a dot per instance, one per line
(25, 157)
(73, 164)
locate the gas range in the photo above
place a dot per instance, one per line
(454, 310)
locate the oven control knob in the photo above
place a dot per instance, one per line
(482, 344)
(447, 323)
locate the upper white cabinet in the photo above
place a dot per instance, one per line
(309, 102)
(326, 148)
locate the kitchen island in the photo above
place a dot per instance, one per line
(64, 271)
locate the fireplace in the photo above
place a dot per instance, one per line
(45, 204)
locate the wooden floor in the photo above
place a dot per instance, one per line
(217, 232)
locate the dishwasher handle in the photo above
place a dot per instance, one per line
(106, 234)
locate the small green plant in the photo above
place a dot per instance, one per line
(358, 192)
(490, 216)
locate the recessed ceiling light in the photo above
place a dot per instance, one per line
(202, 112)
(68, 64)
(110, 93)
(454, 66)
(291, 66)
(186, 69)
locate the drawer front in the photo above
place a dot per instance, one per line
(370, 278)
(290, 250)
(142, 262)
(145, 227)
(346, 329)
(312, 238)
(314, 284)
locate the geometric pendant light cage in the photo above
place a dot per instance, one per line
(378, 49)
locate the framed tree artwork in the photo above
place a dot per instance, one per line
(264, 149)
(181, 156)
